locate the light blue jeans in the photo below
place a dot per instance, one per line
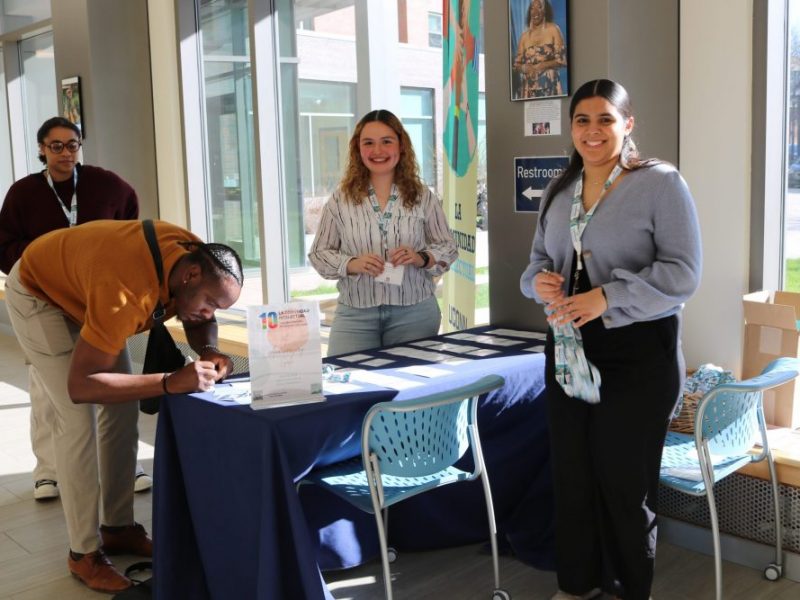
(356, 329)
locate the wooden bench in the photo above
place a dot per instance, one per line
(231, 338)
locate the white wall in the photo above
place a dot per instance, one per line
(167, 112)
(715, 148)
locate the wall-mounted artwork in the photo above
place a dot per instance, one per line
(538, 48)
(71, 102)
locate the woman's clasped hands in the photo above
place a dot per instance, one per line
(372, 264)
(578, 309)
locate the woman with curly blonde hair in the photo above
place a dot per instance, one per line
(384, 237)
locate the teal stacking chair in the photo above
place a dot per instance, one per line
(409, 447)
(729, 420)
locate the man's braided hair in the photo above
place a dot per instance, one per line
(217, 260)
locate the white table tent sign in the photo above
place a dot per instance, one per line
(285, 354)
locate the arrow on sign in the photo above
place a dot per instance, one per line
(531, 193)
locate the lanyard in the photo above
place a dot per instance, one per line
(72, 212)
(578, 221)
(385, 216)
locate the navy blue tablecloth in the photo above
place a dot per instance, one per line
(227, 522)
(227, 519)
(514, 435)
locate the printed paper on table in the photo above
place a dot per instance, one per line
(285, 354)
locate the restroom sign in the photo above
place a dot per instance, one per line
(531, 176)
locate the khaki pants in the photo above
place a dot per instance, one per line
(42, 419)
(41, 428)
(95, 445)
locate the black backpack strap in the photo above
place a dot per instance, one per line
(152, 243)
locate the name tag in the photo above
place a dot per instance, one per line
(393, 275)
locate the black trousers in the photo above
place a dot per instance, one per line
(606, 456)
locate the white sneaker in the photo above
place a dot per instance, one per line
(596, 592)
(143, 482)
(45, 489)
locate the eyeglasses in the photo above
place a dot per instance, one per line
(58, 147)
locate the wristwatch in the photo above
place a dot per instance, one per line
(425, 258)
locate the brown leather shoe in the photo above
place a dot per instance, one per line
(96, 571)
(126, 540)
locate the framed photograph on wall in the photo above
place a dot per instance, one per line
(71, 102)
(538, 49)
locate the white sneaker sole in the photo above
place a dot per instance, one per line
(143, 483)
(45, 492)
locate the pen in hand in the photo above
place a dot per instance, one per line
(549, 285)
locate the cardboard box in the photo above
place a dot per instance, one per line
(770, 331)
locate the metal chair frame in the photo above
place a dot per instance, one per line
(378, 466)
(727, 420)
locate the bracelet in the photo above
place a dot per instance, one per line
(209, 347)
(164, 378)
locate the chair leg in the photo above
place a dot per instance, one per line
(492, 527)
(385, 512)
(487, 494)
(778, 523)
(708, 478)
(387, 575)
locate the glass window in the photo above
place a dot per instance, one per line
(483, 196)
(230, 147)
(435, 30)
(416, 112)
(321, 98)
(40, 100)
(327, 117)
(791, 246)
(6, 170)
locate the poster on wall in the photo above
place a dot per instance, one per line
(532, 174)
(460, 51)
(543, 118)
(71, 102)
(284, 354)
(538, 48)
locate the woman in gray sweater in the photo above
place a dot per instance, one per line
(616, 254)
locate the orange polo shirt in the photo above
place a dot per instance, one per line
(102, 275)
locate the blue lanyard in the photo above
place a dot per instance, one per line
(72, 212)
(383, 216)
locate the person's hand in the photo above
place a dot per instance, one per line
(405, 255)
(369, 264)
(578, 309)
(223, 364)
(197, 376)
(549, 286)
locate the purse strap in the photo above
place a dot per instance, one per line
(152, 243)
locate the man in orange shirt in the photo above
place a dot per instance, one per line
(74, 298)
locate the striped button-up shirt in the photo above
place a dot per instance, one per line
(348, 230)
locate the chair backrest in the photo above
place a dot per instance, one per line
(415, 438)
(728, 417)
